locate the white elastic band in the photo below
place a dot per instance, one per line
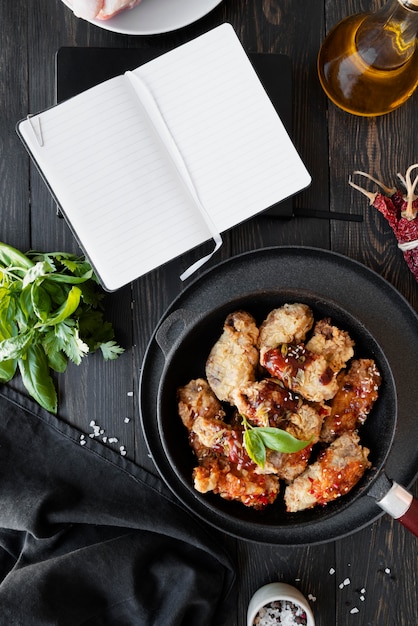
(38, 130)
(408, 245)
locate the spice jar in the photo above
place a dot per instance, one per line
(368, 63)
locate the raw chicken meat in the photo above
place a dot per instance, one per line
(100, 9)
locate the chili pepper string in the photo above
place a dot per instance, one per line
(398, 211)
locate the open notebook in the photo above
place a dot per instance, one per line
(154, 162)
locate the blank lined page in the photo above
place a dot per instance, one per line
(234, 144)
(121, 195)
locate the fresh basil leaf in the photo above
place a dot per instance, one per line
(58, 292)
(7, 314)
(67, 309)
(254, 446)
(35, 374)
(57, 361)
(25, 301)
(15, 347)
(39, 270)
(12, 258)
(280, 440)
(74, 280)
(41, 302)
(7, 366)
(7, 370)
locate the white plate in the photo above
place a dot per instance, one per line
(152, 17)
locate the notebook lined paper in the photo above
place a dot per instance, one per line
(115, 179)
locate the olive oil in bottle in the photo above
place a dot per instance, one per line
(368, 63)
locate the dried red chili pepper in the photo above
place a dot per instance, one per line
(400, 211)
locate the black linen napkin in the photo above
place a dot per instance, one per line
(88, 537)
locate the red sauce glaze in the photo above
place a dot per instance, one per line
(286, 360)
(273, 399)
(336, 482)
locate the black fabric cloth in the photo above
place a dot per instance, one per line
(88, 537)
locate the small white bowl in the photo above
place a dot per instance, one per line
(274, 592)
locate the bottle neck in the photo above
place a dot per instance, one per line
(387, 39)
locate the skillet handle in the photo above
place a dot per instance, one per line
(172, 328)
(410, 518)
(402, 506)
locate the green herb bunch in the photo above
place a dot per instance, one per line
(51, 312)
(259, 438)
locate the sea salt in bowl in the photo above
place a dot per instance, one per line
(279, 600)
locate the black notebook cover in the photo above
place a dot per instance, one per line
(78, 69)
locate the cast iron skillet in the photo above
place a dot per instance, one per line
(258, 282)
(185, 359)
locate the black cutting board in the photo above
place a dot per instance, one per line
(78, 69)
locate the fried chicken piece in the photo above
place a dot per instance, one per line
(332, 343)
(287, 324)
(358, 391)
(233, 360)
(311, 370)
(202, 414)
(219, 475)
(266, 402)
(269, 403)
(338, 468)
(197, 398)
(303, 372)
(286, 466)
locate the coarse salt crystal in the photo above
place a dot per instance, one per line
(362, 590)
(127, 420)
(362, 598)
(387, 570)
(280, 612)
(354, 610)
(332, 571)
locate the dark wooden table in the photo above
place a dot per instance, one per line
(382, 558)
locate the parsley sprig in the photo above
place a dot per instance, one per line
(51, 312)
(258, 438)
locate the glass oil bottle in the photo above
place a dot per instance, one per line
(368, 63)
